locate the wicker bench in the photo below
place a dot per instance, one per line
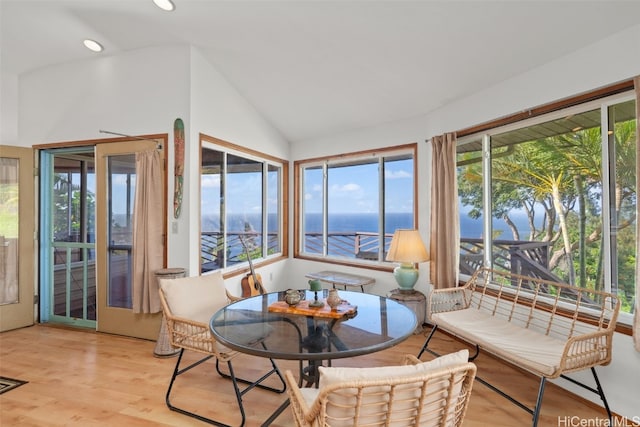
(546, 328)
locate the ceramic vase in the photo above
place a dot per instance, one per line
(333, 299)
(292, 297)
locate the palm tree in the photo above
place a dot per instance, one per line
(542, 172)
(582, 155)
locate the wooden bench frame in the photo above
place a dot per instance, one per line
(580, 320)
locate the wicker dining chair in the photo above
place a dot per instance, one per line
(188, 303)
(418, 393)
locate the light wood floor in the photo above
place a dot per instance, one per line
(79, 378)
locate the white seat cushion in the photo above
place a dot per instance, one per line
(335, 375)
(195, 298)
(198, 298)
(523, 347)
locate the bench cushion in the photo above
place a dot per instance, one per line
(530, 350)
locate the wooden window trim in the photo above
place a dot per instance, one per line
(284, 253)
(297, 207)
(603, 92)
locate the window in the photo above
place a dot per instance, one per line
(350, 205)
(560, 193)
(241, 202)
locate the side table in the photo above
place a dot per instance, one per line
(341, 279)
(415, 300)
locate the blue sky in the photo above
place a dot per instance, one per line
(351, 190)
(244, 193)
(354, 189)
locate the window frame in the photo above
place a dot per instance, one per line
(325, 162)
(602, 100)
(267, 161)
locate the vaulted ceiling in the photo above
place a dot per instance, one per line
(317, 68)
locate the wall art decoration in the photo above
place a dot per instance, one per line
(178, 144)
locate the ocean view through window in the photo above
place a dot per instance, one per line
(241, 205)
(351, 205)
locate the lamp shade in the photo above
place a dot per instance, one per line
(407, 247)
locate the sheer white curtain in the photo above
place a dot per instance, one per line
(147, 232)
(445, 221)
(636, 315)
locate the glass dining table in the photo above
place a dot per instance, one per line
(361, 324)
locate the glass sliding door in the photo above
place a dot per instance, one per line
(121, 184)
(115, 214)
(621, 133)
(70, 261)
(9, 229)
(86, 240)
(17, 220)
(469, 166)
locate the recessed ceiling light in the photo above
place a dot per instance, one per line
(93, 45)
(165, 5)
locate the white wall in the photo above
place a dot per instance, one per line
(135, 93)
(608, 61)
(9, 109)
(220, 111)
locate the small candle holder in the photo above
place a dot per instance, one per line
(315, 286)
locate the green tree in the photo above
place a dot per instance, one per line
(542, 173)
(68, 209)
(562, 177)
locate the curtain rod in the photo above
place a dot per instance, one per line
(158, 145)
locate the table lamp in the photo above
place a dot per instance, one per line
(407, 249)
(315, 286)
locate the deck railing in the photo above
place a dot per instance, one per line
(350, 244)
(362, 245)
(213, 253)
(73, 276)
(528, 258)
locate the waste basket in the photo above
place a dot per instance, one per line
(163, 344)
